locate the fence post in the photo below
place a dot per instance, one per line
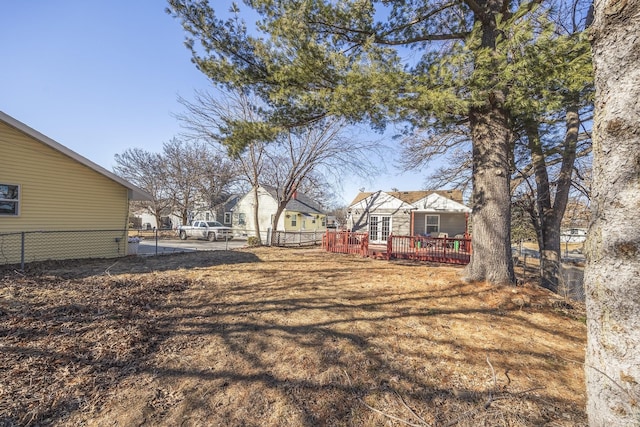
(22, 251)
(365, 246)
(156, 242)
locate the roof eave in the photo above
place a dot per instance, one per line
(135, 193)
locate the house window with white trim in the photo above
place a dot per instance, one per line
(9, 199)
(294, 220)
(227, 217)
(432, 224)
(379, 228)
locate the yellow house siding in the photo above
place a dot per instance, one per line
(59, 193)
(288, 218)
(308, 226)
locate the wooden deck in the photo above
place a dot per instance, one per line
(420, 248)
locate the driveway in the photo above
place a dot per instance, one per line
(148, 247)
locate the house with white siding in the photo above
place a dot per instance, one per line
(301, 213)
(408, 213)
(52, 197)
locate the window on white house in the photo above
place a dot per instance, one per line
(432, 224)
(294, 220)
(9, 199)
(324, 221)
(227, 217)
(208, 216)
(241, 220)
(379, 228)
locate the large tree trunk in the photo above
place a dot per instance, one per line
(550, 258)
(612, 276)
(491, 259)
(491, 217)
(548, 228)
(550, 212)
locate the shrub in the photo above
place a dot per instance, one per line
(253, 241)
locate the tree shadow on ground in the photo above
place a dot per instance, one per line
(302, 344)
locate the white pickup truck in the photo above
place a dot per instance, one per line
(210, 230)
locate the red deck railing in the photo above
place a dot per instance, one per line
(435, 249)
(421, 248)
(346, 242)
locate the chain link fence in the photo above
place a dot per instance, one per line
(30, 246)
(283, 238)
(571, 280)
(297, 238)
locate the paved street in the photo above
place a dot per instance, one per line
(148, 246)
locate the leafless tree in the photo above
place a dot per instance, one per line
(324, 148)
(147, 171)
(205, 119)
(312, 158)
(197, 178)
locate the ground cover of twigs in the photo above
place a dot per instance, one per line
(283, 337)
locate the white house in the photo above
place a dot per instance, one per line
(408, 213)
(573, 235)
(301, 213)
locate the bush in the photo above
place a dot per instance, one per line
(253, 241)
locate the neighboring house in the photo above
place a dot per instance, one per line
(142, 219)
(46, 188)
(408, 213)
(301, 213)
(221, 213)
(227, 210)
(573, 235)
(204, 211)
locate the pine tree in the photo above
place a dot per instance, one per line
(427, 63)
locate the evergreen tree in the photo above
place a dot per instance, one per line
(432, 64)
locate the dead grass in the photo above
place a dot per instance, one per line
(276, 337)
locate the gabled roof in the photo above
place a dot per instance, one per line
(411, 197)
(302, 202)
(136, 193)
(230, 203)
(436, 202)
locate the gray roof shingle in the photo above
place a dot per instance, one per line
(302, 202)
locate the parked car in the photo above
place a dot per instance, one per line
(210, 230)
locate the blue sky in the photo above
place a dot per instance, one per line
(103, 76)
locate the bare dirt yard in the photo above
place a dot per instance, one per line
(283, 337)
